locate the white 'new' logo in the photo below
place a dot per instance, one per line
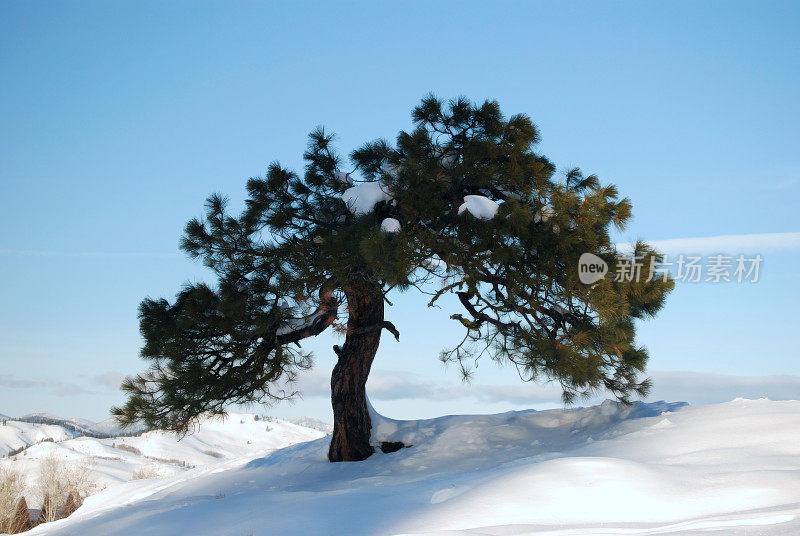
(591, 268)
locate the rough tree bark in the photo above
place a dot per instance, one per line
(351, 422)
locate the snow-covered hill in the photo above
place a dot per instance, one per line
(75, 426)
(115, 460)
(32, 417)
(111, 428)
(15, 435)
(650, 469)
(312, 422)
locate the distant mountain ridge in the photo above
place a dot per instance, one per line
(111, 428)
(313, 423)
(77, 426)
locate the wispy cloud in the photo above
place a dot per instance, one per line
(706, 388)
(673, 386)
(398, 385)
(744, 243)
(51, 387)
(110, 380)
(388, 385)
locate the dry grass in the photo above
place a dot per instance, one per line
(148, 471)
(128, 448)
(57, 480)
(12, 488)
(60, 488)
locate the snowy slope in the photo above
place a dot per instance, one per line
(115, 460)
(730, 469)
(235, 436)
(16, 434)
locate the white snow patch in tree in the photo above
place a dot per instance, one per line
(390, 225)
(544, 214)
(294, 324)
(362, 198)
(479, 206)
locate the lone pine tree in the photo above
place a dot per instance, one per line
(462, 204)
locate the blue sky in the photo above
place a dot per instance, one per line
(118, 119)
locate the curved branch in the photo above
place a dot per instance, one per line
(313, 324)
(388, 326)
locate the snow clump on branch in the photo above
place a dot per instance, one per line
(479, 206)
(362, 198)
(390, 225)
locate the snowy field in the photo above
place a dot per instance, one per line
(729, 469)
(116, 460)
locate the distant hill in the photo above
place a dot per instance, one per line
(77, 426)
(111, 428)
(312, 422)
(17, 435)
(155, 454)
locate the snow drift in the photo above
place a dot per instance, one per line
(648, 469)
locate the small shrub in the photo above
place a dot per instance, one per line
(173, 461)
(129, 448)
(57, 481)
(213, 453)
(148, 471)
(74, 501)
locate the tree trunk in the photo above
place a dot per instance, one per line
(351, 423)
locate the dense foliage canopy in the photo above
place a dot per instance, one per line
(461, 204)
